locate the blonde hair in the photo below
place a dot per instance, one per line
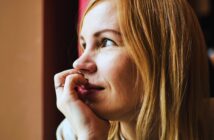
(166, 44)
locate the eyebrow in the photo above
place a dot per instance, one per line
(96, 34)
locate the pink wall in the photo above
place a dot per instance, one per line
(82, 6)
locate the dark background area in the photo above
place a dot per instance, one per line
(207, 24)
(60, 50)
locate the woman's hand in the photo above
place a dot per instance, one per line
(64, 131)
(86, 125)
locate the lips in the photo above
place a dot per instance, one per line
(88, 89)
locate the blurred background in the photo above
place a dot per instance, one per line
(38, 39)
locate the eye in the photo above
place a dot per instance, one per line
(107, 43)
(83, 45)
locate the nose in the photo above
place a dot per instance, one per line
(85, 63)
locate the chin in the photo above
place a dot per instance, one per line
(106, 113)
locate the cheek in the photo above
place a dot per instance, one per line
(108, 65)
(116, 68)
(118, 71)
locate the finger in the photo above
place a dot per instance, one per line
(59, 78)
(71, 82)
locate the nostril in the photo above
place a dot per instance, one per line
(86, 68)
(92, 67)
(85, 63)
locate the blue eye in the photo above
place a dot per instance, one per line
(107, 42)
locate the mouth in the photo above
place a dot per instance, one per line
(88, 89)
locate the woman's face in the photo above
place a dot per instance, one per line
(107, 65)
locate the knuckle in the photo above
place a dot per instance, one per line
(71, 78)
(56, 76)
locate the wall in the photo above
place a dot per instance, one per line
(21, 69)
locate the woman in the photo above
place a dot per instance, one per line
(142, 74)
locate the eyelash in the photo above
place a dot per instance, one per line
(104, 41)
(101, 43)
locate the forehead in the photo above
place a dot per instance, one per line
(101, 16)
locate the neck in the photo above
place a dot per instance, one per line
(128, 130)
